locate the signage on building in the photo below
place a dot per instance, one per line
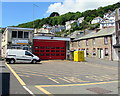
(20, 42)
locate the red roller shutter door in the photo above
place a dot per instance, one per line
(50, 49)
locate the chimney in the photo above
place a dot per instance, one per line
(97, 30)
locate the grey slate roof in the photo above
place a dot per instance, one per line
(20, 28)
(102, 32)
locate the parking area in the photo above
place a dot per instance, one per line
(67, 77)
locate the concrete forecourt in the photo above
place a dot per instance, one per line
(53, 77)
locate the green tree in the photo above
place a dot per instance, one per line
(54, 14)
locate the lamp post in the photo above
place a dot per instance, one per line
(34, 5)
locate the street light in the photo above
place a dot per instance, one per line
(34, 5)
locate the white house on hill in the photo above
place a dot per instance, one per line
(96, 20)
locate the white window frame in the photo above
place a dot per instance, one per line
(105, 40)
(119, 11)
(119, 39)
(78, 43)
(106, 51)
(118, 25)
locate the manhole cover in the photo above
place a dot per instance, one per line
(99, 90)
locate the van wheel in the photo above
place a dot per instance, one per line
(12, 61)
(34, 61)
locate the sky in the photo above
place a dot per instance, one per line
(15, 12)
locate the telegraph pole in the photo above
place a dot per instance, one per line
(34, 5)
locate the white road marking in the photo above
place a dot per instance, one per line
(28, 90)
(53, 80)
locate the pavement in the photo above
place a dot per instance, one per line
(64, 77)
(15, 86)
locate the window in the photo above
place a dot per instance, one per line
(25, 48)
(53, 54)
(62, 54)
(94, 51)
(86, 42)
(14, 34)
(87, 51)
(119, 26)
(72, 44)
(18, 47)
(57, 51)
(36, 50)
(37, 54)
(47, 54)
(52, 47)
(119, 11)
(62, 51)
(36, 47)
(57, 54)
(26, 34)
(20, 34)
(42, 47)
(41, 54)
(12, 47)
(57, 47)
(93, 41)
(28, 54)
(52, 50)
(47, 50)
(62, 48)
(106, 51)
(105, 40)
(41, 50)
(119, 39)
(47, 47)
(78, 43)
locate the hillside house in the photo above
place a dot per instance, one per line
(108, 20)
(96, 20)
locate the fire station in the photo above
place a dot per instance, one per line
(51, 48)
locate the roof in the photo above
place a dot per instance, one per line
(97, 18)
(75, 34)
(102, 32)
(51, 38)
(18, 28)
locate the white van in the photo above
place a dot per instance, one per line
(19, 55)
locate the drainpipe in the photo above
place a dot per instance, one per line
(111, 48)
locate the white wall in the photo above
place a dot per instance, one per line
(114, 50)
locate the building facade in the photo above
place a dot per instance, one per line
(116, 46)
(49, 48)
(17, 38)
(108, 20)
(95, 44)
(0, 42)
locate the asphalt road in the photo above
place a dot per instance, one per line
(67, 77)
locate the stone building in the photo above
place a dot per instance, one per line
(97, 44)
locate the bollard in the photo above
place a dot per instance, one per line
(4, 81)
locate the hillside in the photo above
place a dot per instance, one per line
(60, 20)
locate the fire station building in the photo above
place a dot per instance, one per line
(51, 48)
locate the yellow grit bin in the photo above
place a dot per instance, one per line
(79, 56)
